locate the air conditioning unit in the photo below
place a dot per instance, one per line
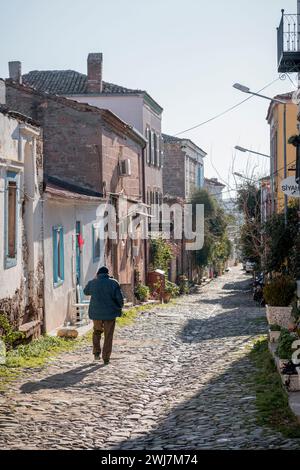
(125, 167)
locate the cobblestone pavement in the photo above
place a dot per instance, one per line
(180, 378)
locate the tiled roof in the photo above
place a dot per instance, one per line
(171, 139)
(213, 182)
(68, 82)
(18, 116)
(58, 187)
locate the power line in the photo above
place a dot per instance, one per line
(226, 110)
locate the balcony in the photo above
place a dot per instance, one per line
(288, 43)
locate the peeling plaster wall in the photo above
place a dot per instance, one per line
(21, 285)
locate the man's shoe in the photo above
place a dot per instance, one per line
(97, 357)
(106, 362)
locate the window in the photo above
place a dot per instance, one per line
(11, 219)
(58, 256)
(152, 148)
(155, 160)
(97, 240)
(148, 148)
(161, 149)
(157, 150)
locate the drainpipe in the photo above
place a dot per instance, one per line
(144, 199)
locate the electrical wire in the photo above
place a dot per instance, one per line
(226, 110)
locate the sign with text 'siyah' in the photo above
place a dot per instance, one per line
(289, 187)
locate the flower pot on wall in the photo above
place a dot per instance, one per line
(281, 316)
(167, 298)
(274, 336)
(291, 382)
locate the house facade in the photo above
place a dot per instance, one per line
(21, 248)
(136, 107)
(92, 163)
(215, 188)
(275, 118)
(183, 171)
(73, 249)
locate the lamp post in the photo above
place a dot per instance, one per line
(239, 175)
(242, 149)
(245, 89)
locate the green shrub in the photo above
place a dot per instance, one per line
(142, 292)
(183, 285)
(171, 288)
(280, 291)
(284, 348)
(8, 334)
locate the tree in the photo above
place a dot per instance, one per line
(248, 201)
(280, 240)
(161, 254)
(217, 246)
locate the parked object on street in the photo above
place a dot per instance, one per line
(258, 286)
(250, 266)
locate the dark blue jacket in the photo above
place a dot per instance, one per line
(106, 298)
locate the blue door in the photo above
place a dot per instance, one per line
(78, 253)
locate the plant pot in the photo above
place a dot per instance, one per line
(281, 316)
(167, 298)
(281, 363)
(291, 382)
(298, 289)
(274, 336)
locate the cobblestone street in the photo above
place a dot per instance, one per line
(180, 378)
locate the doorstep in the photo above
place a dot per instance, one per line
(81, 329)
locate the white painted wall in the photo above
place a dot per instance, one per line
(58, 300)
(18, 154)
(129, 108)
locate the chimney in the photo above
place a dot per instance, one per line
(94, 63)
(15, 71)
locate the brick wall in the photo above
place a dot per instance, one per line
(81, 147)
(174, 170)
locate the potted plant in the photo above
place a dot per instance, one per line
(183, 284)
(142, 292)
(274, 333)
(284, 352)
(278, 295)
(171, 290)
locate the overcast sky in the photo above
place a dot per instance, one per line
(186, 54)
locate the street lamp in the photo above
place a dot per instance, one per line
(242, 149)
(239, 175)
(247, 90)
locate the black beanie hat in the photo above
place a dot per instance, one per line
(103, 270)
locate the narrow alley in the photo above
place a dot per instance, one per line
(180, 378)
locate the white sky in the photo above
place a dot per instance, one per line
(185, 54)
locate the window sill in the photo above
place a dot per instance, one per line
(58, 284)
(10, 263)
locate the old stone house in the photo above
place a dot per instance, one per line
(215, 188)
(97, 157)
(21, 248)
(136, 107)
(184, 167)
(183, 173)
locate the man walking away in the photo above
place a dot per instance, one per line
(106, 305)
